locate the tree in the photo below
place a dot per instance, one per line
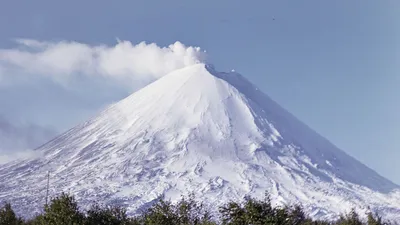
(259, 212)
(352, 218)
(374, 219)
(8, 217)
(186, 212)
(63, 210)
(297, 216)
(189, 211)
(101, 215)
(233, 214)
(160, 213)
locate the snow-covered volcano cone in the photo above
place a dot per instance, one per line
(198, 130)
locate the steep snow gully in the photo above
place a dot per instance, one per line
(202, 131)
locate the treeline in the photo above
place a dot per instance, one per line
(64, 210)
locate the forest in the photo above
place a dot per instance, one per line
(64, 210)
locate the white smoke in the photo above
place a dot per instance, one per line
(6, 157)
(81, 69)
(91, 76)
(62, 60)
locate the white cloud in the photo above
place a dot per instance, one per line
(18, 139)
(62, 60)
(6, 157)
(91, 75)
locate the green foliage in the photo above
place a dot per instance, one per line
(233, 213)
(261, 212)
(63, 210)
(8, 217)
(351, 218)
(99, 215)
(185, 212)
(160, 213)
(374, 219)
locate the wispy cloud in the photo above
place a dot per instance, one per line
(18, 141)
(91, 76)
(6, 157)
(123, 61)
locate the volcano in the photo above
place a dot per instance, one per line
(198, 130)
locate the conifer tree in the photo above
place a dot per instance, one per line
(352, 218)
(8, 217)
(374, 220)
(63, 210)
(102, 215)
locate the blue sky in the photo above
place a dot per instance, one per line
(334, 64)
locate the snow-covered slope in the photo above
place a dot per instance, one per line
(198, 130)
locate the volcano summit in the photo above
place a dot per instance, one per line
(202, 131)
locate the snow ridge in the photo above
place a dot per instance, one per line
(202, 131)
